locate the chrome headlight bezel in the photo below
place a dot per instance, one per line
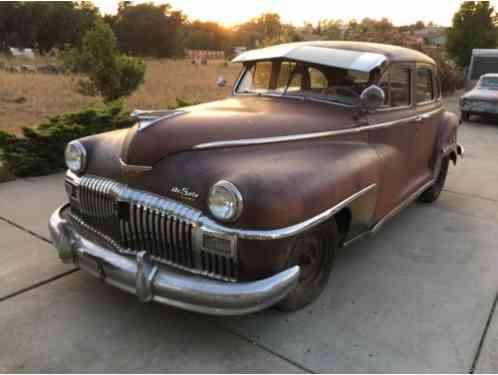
(233, 204)
(76, 157)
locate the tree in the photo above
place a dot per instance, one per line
(331, 29)
(207, 36)
(149, 30)
(110, 74)
(45, 25)
(474, 26)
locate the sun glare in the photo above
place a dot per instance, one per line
(232, 12)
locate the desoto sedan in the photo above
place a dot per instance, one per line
(237, 205)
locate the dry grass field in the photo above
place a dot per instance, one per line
(27, 98)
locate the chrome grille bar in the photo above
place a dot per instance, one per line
(135, 221)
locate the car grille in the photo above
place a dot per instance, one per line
(134, 221)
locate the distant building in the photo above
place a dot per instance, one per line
(198, 54)
(435, 36)
(436, 40)
(238, 50)
(22, 52)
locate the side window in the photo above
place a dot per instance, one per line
(261, 75)
(438, 86)
(318, 81)
(384, 85)
(256, 78)
(425, 83)
(400, 87)
(296, 81)
(396, 86)
(286, 69)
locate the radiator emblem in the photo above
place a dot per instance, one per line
(185, 193)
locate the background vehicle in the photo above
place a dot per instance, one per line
(483, 99)
(483, 61)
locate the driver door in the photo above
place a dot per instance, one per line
(392, 135)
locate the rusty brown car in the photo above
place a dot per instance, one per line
(237, 205)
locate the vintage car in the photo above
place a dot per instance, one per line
(237, 205)
(483, 99)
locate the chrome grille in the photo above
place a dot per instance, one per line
(135, 221)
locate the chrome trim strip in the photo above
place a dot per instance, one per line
(275, 234)
(199, 220)
(391, 214)
(301, 137)
(148, 118)
(401, 206)
(149, 282)
(134, 168)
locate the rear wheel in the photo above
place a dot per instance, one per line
(315, 254)
(433, 193)
(465, 115)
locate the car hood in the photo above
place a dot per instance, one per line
(231, 119)
(482, 94)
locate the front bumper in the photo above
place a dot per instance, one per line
(149, 282)
(477, 106)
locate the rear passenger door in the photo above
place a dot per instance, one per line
(429, 116)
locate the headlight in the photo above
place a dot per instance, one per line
(75, 157)
(225, 201)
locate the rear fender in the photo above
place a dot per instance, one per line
(447, 145)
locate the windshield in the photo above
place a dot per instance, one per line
(297, 79)
(490, 83)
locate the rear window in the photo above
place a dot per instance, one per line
(490, 83)
(425, 85)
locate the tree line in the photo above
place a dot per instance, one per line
(148, 29)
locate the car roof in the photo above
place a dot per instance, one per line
(361, 56)
(490, 75)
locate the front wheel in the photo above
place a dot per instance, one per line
(433, 193)
(465, 115)
(314, 253)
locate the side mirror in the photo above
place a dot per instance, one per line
(221, 82)
(372, 98)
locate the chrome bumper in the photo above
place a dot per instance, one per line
(150, 282)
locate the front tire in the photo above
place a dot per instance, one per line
(433, 193)
(465, 116)
(315, 254)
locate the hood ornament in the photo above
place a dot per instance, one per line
(148, 118)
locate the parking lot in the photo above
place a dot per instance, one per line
(419, 296)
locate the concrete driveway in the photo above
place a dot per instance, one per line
(419, 296)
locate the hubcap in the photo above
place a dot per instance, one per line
(309, 258)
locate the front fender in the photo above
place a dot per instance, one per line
(282, 184)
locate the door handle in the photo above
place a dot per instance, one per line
(418, 119)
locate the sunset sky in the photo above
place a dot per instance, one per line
(231, 12)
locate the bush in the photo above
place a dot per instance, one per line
(41, 150)
(110, 74)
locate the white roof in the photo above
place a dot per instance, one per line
(339, 58)
(485, 52)
(489, 75)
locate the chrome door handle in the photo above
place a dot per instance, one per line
(418, 119)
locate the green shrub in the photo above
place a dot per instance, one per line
(41, 150)
(109, 73)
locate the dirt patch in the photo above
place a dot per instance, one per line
(27, 98)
